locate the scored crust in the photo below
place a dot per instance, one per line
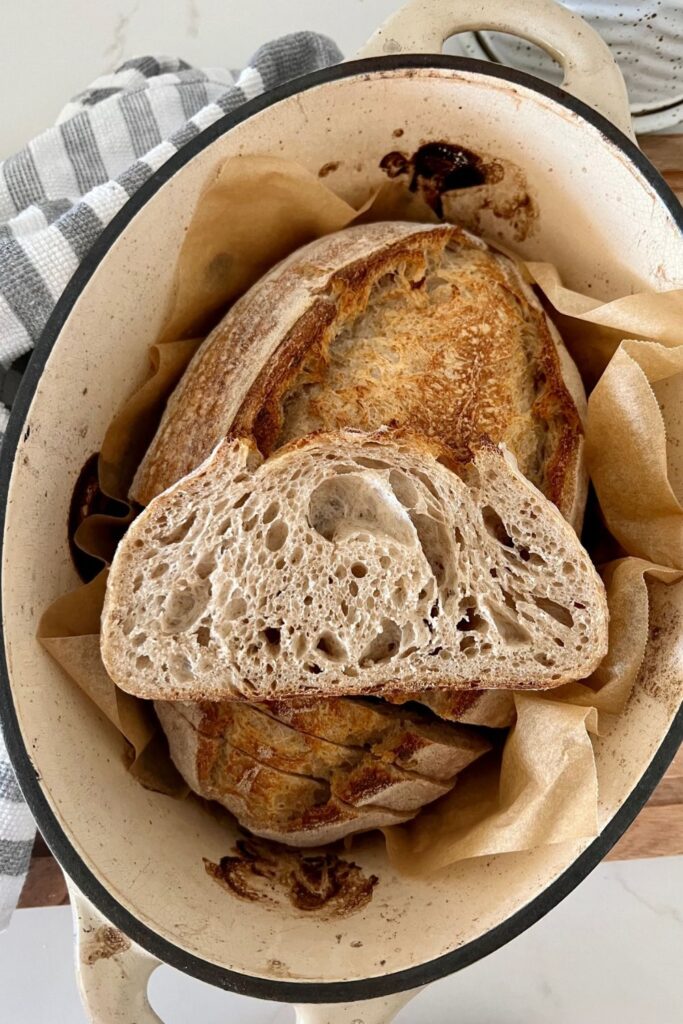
(293, 809)
(419, 326)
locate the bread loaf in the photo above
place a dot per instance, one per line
(420, 326)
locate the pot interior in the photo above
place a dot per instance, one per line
(609, 232)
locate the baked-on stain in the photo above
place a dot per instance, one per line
(444, 168)
(106, 942)
(435, 168)
(328, 168)
(275, 875)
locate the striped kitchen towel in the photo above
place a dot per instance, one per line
(58, 193)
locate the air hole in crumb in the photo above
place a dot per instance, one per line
(182, 669)
(424, 479)
(159, 570)
(308, 600)
(139, 639)
(532, 557)
(180, 532)
(371, 463)
(242, 500)
(353, 588)
(270, 513)
(472, 621)
(467, 645)
(568, 568)
(272, 635)
(315, 669)
(206, 565)
(277, 535)
(359, 570)
(142, 662)
(137, 582)
(331, 646)
(435, 543)
(296, 555)
(577, 604)
(404, 489)
(510, 630)
(235, 608)
(203, 636)
(384, 646)
(280, 564)
(495, 526)
(358, 506)
(555, 610)
(543, 659)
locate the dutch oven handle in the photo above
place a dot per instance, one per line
(113, 972)
(590, 71)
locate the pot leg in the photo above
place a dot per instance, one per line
(112, 972)
(371, 1011)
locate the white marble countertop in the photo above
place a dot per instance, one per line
(611, 953)
(50, 51)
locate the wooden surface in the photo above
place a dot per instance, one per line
(658, 829)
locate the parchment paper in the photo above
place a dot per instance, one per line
(542, 788)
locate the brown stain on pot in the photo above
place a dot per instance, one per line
(328, 168)
(106, 942)
(275, 875)
(466, 187)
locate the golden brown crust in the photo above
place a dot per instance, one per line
(425, 404)
(280, 340)
(294, 298)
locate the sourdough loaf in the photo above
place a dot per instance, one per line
(289, 808)
(414, 325)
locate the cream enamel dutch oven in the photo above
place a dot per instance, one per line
(612, 226)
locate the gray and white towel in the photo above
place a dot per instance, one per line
(58, 193)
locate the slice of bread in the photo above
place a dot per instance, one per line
(289, 808)
(350, 564)
(420, 326)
